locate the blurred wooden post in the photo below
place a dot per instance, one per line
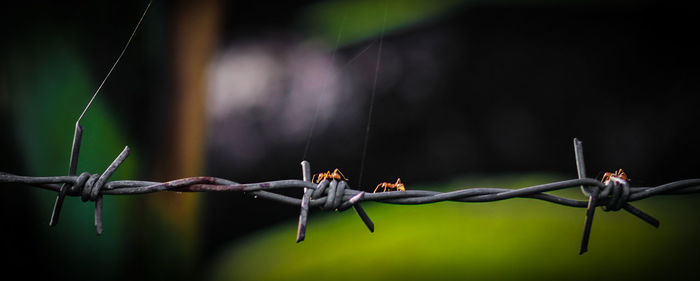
(194, 35)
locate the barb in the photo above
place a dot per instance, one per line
(336, 195)
(77, 137)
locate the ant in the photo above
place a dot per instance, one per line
(619, 174)
(398, 185)
(335, 175)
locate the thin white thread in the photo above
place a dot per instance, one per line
(325, 89)
(115, 63)
(371, 101)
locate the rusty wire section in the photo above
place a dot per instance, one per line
(337, 195)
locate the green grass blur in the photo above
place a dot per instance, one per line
(520, 239)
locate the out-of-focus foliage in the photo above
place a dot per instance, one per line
(350, 21)
(518, 239)
(49, 85)
(360, 20)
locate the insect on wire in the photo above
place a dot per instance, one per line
(331, 191)
(335, 194)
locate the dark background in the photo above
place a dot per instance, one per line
(482, 89)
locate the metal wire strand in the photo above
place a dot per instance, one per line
(337, 195)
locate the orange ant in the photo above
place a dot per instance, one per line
(619, 174)
(398, 185)
(335, 175)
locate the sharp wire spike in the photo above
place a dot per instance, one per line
(591, 193)
(72, 169)
(303, 215)
(78, 133)
(590, 211)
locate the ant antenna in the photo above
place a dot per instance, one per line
(78, 134)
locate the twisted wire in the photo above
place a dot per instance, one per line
(612, 195)
(322, 198)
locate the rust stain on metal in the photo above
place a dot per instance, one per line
(190, 181)
(212, 187)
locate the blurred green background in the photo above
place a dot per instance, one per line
(470, 94)
(519, 239)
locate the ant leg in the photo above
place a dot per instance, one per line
(375, 189)
(341, 174)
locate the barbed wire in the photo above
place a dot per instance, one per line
(335, 194)
(612, 195)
